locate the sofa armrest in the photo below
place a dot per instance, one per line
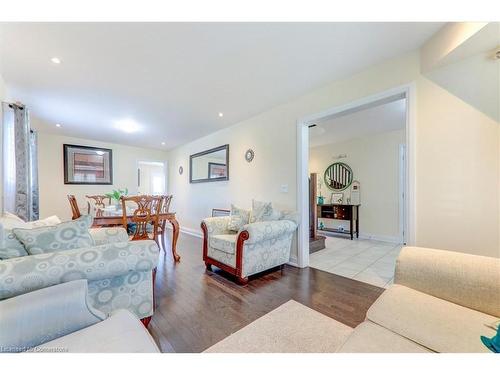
(217, 225)
(468, 280)
(268, 230)
(24, 274)
(44, 315)
(102, 236)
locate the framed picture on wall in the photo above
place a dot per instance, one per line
(84, 165)
(217, 170)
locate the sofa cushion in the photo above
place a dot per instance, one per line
(437, 324)
(471, 281)
(224, 242)
(65, 236)
(369, 337)
(239, 217)
(122, 332)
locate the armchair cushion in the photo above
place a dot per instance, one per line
(262, 211)
(34, 318)
(224, 242)
(68, 235)
(239, 217)
(218, 225)
(268, 230)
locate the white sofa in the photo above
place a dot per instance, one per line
(441, 301)
(61, 318)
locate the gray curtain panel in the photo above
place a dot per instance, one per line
(26, 167)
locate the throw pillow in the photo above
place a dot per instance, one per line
(48, 221)
(10, 247)
(263, 211)
(65, 236)
(238, 218)
(11, 221)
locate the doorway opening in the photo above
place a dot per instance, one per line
(151, 177)
(356, 186)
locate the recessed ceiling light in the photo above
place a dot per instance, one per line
(163, 143)
(127, 126)
(58, 125)
(56, 60)
(221, 114)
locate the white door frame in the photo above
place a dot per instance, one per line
(402, 193)
(147, 160)
(409, 92)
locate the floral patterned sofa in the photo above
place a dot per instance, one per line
(255, 248)
(119, 272)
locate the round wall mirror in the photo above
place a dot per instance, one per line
(338, 176)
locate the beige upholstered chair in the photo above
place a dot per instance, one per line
(255, 248)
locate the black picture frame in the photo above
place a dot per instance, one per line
(215, 149)
(69, 164)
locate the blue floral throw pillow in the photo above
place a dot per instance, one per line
(65, 236)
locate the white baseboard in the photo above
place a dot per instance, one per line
(190, 231)
(369, 236)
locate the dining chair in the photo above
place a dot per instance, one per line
(141, 210)
(98, 201)
(162, 222)
(74, 207)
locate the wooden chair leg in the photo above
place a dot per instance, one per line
(162, 234)
(242, 280)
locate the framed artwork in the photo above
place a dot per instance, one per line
(217, 170)
(337, 198)
(84, 165)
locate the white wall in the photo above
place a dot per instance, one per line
(450, 134)
(53, 191)
(457, 174)
(374, 160)
(3, 96)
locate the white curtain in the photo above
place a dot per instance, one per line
(9, 161)
(19, 169)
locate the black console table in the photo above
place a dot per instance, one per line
(349, 212)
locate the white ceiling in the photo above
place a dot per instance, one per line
(379, 119)
(173, 79)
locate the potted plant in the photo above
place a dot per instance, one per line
(116, 195)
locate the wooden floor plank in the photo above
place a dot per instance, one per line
(196, 308)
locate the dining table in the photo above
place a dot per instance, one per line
(112, 215)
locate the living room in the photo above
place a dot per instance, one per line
(169, 193)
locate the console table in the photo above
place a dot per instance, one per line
(349, 212)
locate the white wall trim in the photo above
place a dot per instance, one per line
(408, 91)
(190, 231)
(371, 236)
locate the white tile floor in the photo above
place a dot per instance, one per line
(369, 261)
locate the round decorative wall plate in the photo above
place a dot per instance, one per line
(249, 155)
(181, 170)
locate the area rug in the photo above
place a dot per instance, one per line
(291, 328)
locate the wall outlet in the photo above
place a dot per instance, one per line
(284, 188)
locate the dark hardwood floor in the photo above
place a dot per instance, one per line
(196, 308)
